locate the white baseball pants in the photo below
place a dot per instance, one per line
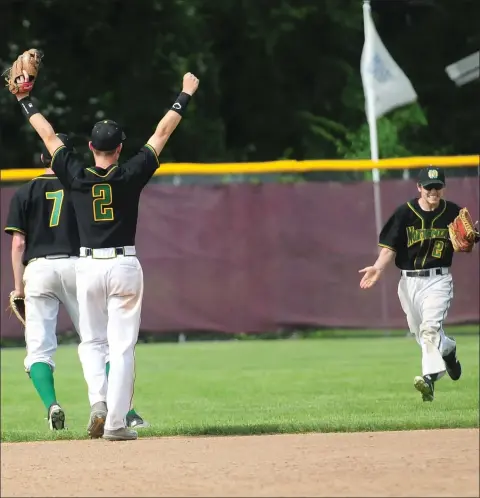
(47, 283)
(425, 301)
(109, 292)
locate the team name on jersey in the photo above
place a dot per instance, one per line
(415, 235)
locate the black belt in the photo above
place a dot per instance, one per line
(425, 273)
(119, 251)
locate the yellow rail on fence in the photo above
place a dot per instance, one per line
(288, 166)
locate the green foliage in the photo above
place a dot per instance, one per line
(204, 388)
(391, 130)
(278, 79)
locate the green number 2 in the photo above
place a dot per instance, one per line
(438, 249)
(57, 198)
(102, 199)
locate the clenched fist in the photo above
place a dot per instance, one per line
(190, 83)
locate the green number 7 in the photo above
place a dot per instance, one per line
(57, 198)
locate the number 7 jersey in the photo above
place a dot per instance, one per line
(105, 199)
(420, 238)
(42, 211)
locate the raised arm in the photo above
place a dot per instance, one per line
(37, 120)
(172, 118)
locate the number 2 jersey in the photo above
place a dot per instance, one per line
(43, 212)
(420, 238)
(105, 200)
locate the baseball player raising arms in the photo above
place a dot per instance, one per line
(45, 246)
(417, 237)
(109, 275)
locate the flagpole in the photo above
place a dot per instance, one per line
(372, 125)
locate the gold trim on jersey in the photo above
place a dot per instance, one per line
(98, 174)
(55, 153)
(431, 227)
(45, 178)
(154, 152)
(14, 229)
(387, 247)
(423, 228)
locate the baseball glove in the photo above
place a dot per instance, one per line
(17, 305)
(462, 232)
(29, 61)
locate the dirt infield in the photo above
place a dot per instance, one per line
(416, 463)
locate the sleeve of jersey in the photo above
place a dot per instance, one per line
(16, 219)
(66, 166)
(142, 166)
(390, 234)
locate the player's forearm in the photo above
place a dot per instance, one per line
(17, 265)
(167, 125)
(172, 118)
(164, 130)
(40, 124)
(385, 257)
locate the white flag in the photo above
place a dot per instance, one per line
(385, 85)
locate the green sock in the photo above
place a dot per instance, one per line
(131, 412)
(42, 378)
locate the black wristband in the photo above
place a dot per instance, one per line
(181, 103)
(28, 107)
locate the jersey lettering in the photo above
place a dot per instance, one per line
(102, 199)
(420, 238)
(106, 200)
(438, 249)
(57, 198)
(415, 235)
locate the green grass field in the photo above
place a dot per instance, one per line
(256, 387)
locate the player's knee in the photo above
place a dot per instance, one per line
(430, 333)
(35, 358)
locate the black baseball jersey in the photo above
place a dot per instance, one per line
(105, 200)
(42, 211)
(420, 238)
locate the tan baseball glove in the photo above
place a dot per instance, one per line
(463, 234)
(17, 305)
(29, 61)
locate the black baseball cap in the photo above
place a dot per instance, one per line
(107, 135)
(66, 141)
(431, 176)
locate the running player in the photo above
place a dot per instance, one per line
(416, 237)
(109, 275)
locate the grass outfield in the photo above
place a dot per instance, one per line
(255, 387)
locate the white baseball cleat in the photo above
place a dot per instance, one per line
(56, 418)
